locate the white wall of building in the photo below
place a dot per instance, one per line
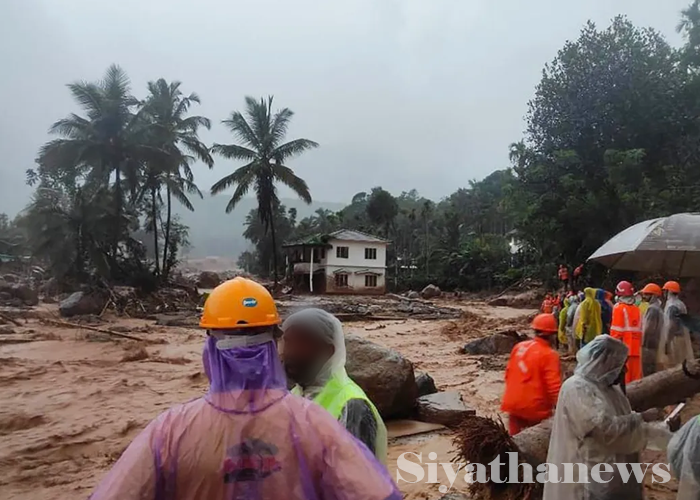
(356, 254)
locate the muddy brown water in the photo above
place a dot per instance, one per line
(72, 401)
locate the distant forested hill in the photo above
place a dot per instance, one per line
(213, 232)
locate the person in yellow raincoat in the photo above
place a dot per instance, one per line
(590, 323)
(561, 334)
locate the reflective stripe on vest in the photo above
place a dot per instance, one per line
(335, 395)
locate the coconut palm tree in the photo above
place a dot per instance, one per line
(174, 134)
(262, 133)
(107, 141)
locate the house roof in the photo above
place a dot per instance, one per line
(342, 234)
(352, 235)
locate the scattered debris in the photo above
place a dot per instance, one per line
(184, 320)
(446, 408)
(493, 363)
(208, 279)
(481, 440)
(425, 383)
(8, 319)
(385, 375)
(6, 330)
(523, 300)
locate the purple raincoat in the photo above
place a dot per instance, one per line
(247, 438)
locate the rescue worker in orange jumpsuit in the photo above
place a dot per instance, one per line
(627, 327)
(533, 377)
(547, 304)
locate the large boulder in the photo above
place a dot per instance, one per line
(81, 303)
(208, 279)
(25, 294)
(413, 295)
(445, 408)
(385, 375)
(493, 344)
(430, 292)
(529, 299)
(425, 383)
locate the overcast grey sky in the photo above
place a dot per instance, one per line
(424, 94)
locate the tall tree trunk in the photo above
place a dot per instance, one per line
(154, 216)
(166, 243)
(274, 244)
(118, 209)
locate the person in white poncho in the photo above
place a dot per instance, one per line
(594, 424)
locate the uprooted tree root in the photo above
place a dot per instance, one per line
(479, 440)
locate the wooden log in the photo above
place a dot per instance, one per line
(661, 389)
(65, 324)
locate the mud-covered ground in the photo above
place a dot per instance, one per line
(72, 400)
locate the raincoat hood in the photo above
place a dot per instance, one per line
(329, 328)
(601, 360)
(254, 369)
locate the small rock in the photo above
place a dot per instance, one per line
(6, 330)
(208, 279)
(454, 496)
(499, 302)
(494, 344)
(430, 291)
(49, 300)
(50, 288)
(25, 294)
(413, 295)
(446, 408)
(425, 383)
(10, 278)
(81, 303)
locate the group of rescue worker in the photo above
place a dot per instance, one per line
(249, 437)
(615, 344)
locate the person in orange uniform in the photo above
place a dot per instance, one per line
(627, 327)
(547, 304)
(533, 377)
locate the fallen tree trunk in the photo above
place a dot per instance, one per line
(655, 391)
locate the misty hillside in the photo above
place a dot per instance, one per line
(213, 232)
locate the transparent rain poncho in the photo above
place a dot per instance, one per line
(594, 423)
(675, 345)
(652, 324)
(247, 438)
(684, 457)
(357, 417)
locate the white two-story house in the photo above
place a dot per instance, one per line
(341, 262)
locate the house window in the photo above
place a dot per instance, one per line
(342, 252)
(370, 253)
(341, 280)
(370, 280)
(323, 253)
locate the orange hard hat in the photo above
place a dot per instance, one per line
(239, 303)
(672, 286)
(545, 323)
(652, 289)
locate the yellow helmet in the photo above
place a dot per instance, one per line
(239, 303)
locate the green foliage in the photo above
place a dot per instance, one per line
(113, 169)
(262, 133)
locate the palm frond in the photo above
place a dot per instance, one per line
(293, 148)
(89, 96)
(242, 175)
(74, 127)
(234, 152)
(286, 176)
(198, 150)
(182, 198)
(280, 123)
(238, 125)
